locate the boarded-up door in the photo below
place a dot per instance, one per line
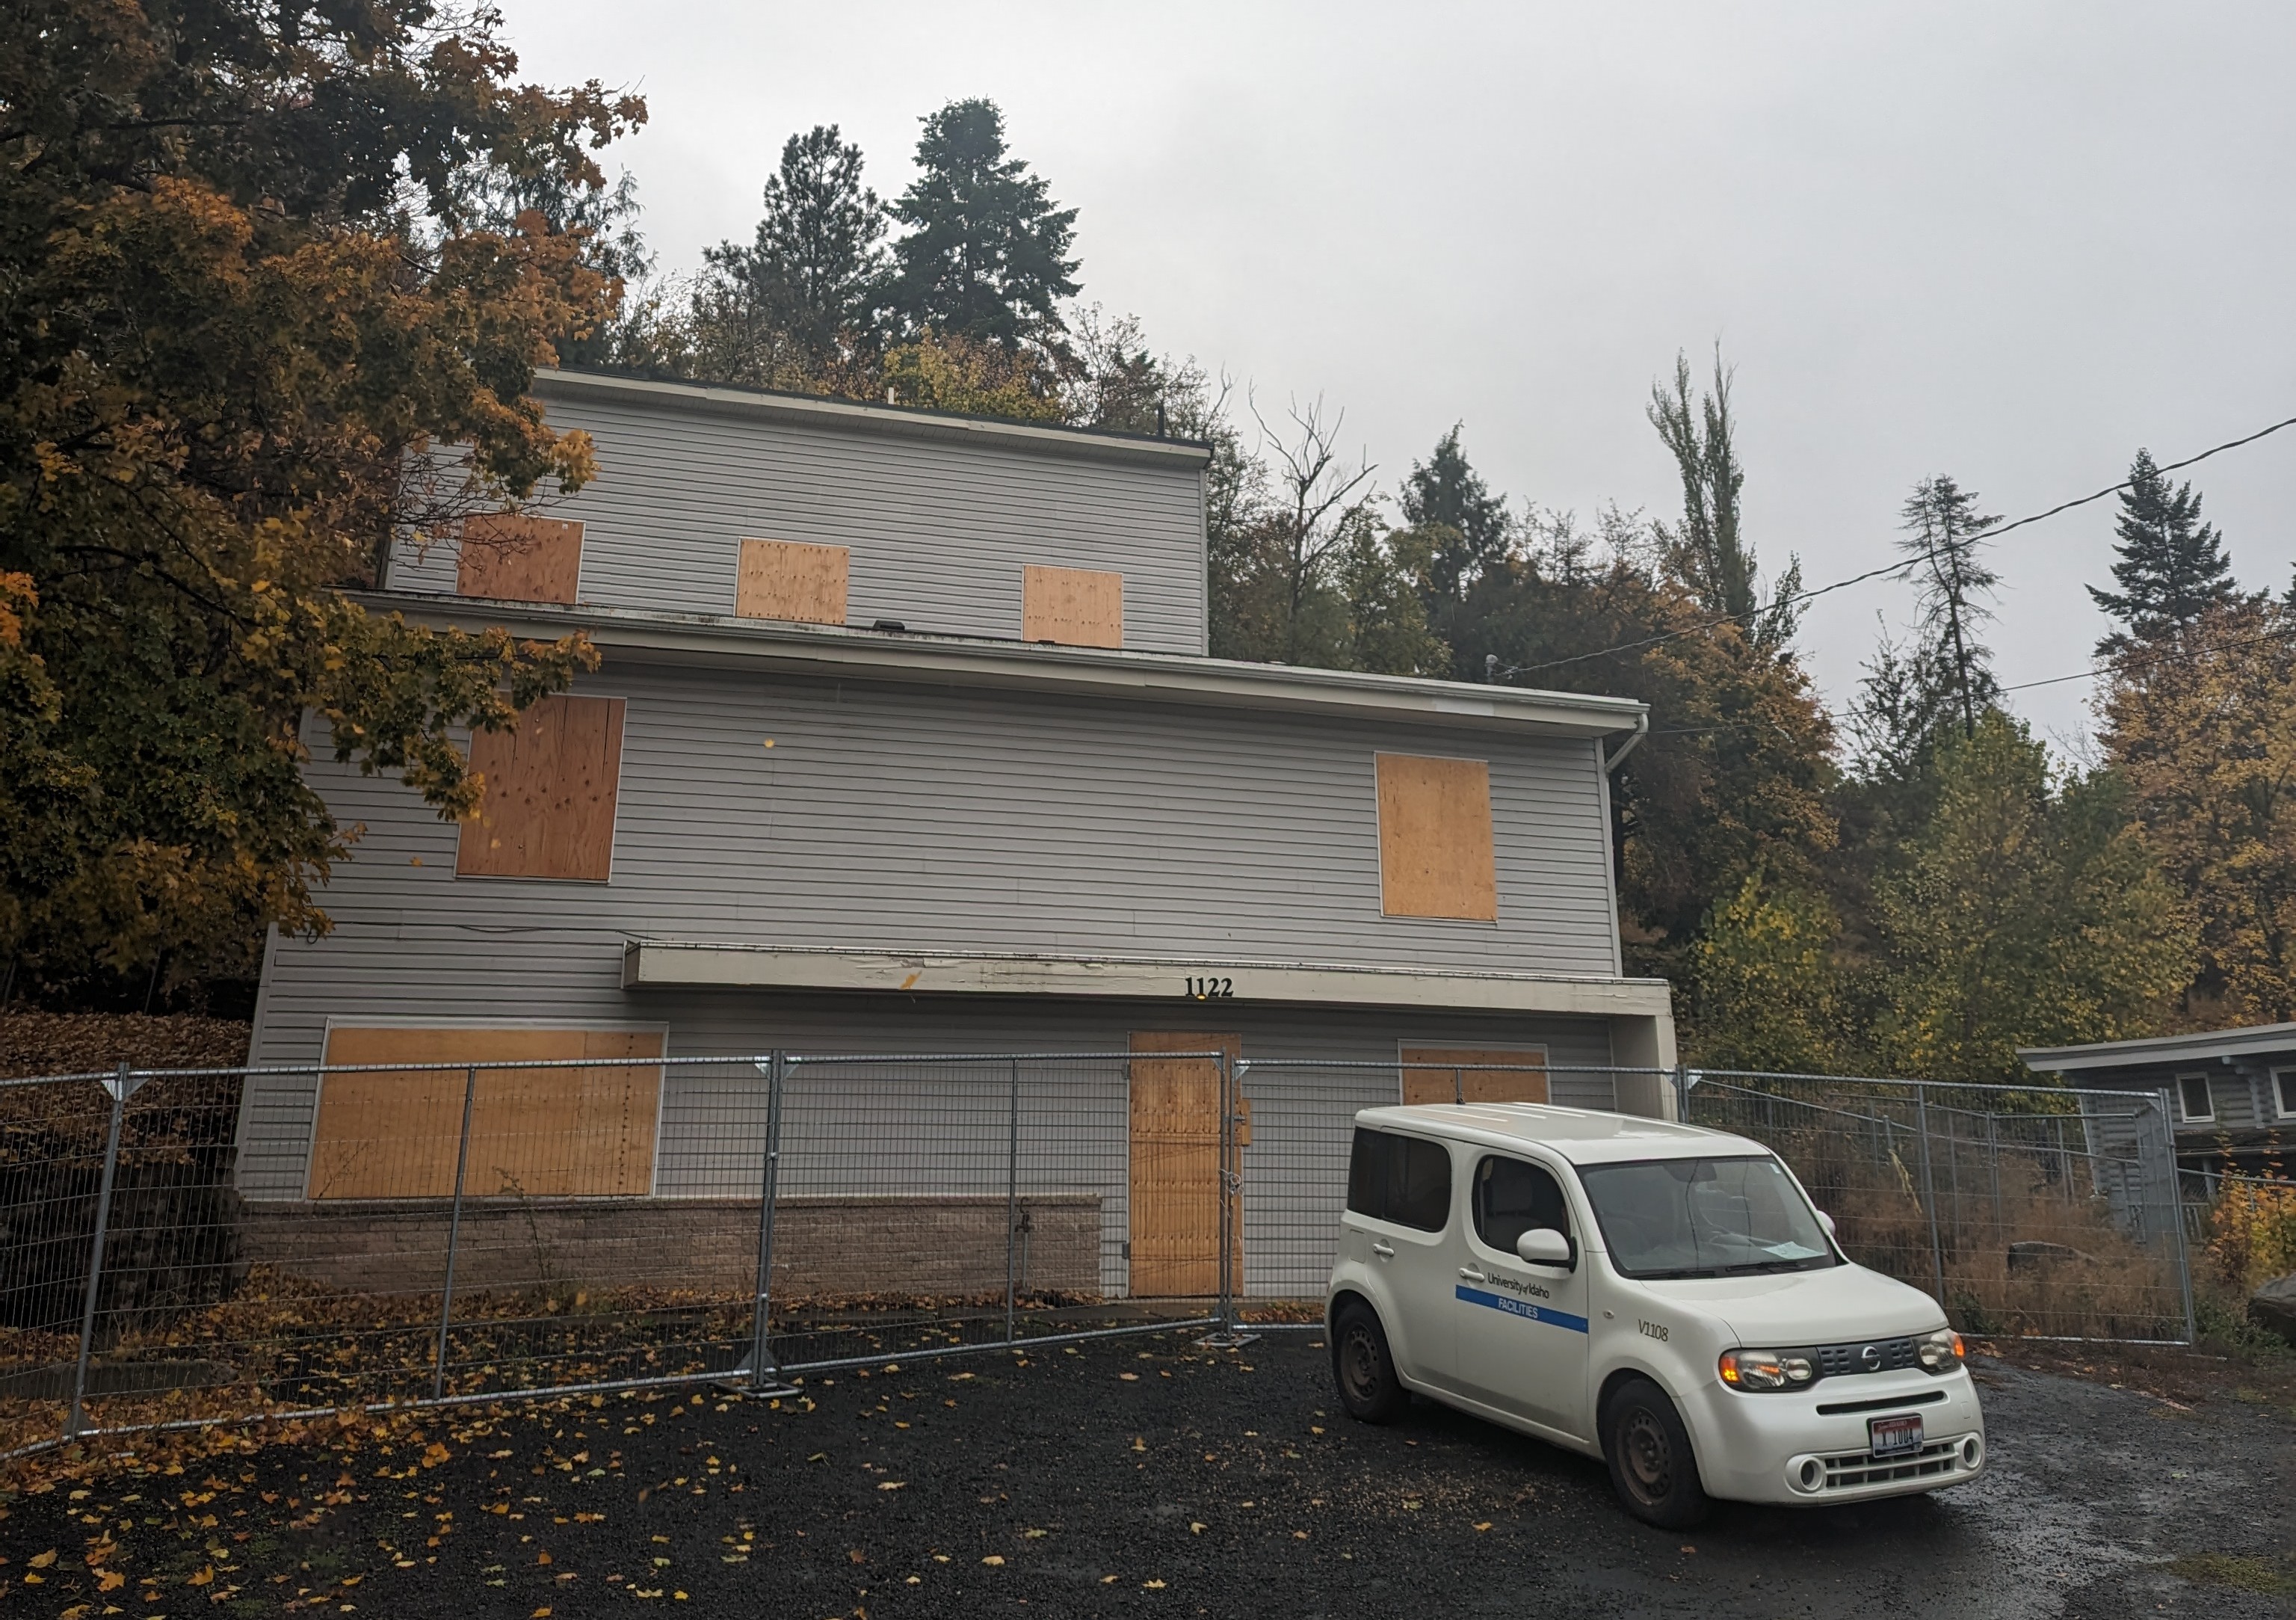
(1176, 1183)
(1474, 1074)
(575, 1131)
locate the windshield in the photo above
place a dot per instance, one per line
(1705, 1218)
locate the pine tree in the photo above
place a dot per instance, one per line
(2172, 566)
(986, 256)
(815, 270)
(1941, 534)
(1444, 490)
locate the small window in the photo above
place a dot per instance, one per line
(1513, 1197)
(2283, 1092)
(2193, 1104)
(1401, 1179)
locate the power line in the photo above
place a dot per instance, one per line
(1494, 671)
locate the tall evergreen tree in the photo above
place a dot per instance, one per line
(817, 267)
(1707, 550)
(2172, 567)
(1444, 490)
(986, 256)
(1942, 530)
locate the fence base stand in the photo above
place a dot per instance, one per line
(1224, 1338)
(774, 1391)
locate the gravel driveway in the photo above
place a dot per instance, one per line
(1144, 1477)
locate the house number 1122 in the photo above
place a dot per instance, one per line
(1211, 989)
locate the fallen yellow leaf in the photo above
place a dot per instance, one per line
(1153, 1585)
(890, 1485)
(993, 1559)
(42, 1561)
(206, 1578)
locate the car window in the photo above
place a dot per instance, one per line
(1511, 1197)
(1716, 1217)
(1402, 1178)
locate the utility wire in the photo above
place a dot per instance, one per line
(1494, 671)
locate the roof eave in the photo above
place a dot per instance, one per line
(904, 656)
(855, 416)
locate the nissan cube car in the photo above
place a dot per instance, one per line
(1662, 1296)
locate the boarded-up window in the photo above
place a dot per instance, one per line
(1474, 1074)
(550, 792)
(784, 579)
(510, 556)
(554, 1132)
(1435, 838)
(1176, 1165)
(1074, 606)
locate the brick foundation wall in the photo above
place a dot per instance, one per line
(902, 1246)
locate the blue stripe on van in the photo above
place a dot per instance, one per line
(1524, 1308)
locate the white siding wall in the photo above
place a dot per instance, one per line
(939, 532)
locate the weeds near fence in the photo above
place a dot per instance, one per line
(2252, 1232)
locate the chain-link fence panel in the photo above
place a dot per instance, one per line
(2036, 1211)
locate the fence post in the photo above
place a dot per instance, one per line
(119, 1087)
(762, 1370)
(2165, 1136)
(1229, 1181)
(453, 1236)
(1928, 1188)
(1993, 1163)
(1458, 1087)
(1012, 1192)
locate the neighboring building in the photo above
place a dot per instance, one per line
(2232, 1093)
(905, 740)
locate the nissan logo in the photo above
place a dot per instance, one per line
(1870, 1358)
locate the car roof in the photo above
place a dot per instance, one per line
(1582, 1136)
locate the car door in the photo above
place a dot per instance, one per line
(1521, 1329)
(1400, 1199)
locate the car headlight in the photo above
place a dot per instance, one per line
(1940, 1351)
(1765, 1368)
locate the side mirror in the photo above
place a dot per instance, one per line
(1543, 1246)
(1827, 1221)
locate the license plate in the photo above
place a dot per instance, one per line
(1894, 1436)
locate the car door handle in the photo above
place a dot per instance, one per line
(1473, 1275)
(1383, 1249)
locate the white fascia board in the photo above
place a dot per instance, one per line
(694, 965)
(2263, 1040)
(973, 661)
(855, 417)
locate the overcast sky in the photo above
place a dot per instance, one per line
(2009, 243)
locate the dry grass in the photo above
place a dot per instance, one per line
(2093, 1282)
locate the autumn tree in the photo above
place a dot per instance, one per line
(2170, 566)
(242, 298)
(2201, 725)
(1768, 990)
(2026, 912)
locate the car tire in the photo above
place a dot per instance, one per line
(1652, 1467)
(1362, 1367)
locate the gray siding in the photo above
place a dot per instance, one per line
(906, 818)
(2241, 1093)
(939, 532)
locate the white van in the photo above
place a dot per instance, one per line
(1659, 1295)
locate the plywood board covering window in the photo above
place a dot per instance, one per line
(540, 1132)
(787, 580)
(1077, 607)
(550, 787)
(1475, 1074)
(1435, 856)
(510, 556)
(1175, 1161)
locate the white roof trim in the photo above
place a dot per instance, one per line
(687, 964)
(852, 415)
(2259, 1040)
(838, 652)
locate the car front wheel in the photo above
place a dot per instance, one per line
(1652, 1466)
(1362, 1367)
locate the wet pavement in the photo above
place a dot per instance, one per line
(1146, 1477)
